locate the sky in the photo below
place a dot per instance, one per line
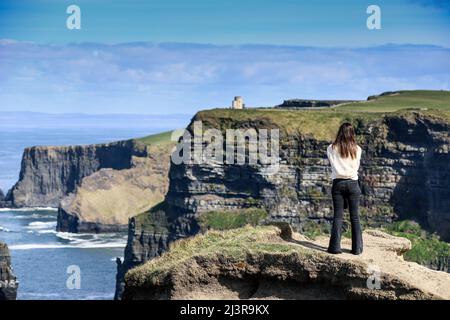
(288, 22)
(180, 56)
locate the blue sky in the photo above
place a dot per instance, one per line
(179, 56)
(292, 22)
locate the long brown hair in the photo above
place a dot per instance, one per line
(345, 141)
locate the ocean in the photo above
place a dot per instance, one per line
(44, 260)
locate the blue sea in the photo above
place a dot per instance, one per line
(43, 259)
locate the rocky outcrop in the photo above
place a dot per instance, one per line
(405, 175)
(2, 199)
(3, 202)
(258, 263)
(8, 282)
(150, 238)
(50, 173)
(106, 199)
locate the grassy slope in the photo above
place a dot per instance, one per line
(230, 219)
(234, 243)
(324, 123)
(157, 139)
(430, 99)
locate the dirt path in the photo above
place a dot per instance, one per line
(385, 253)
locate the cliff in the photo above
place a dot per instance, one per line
(95, 187)
(49, 173)
(8, 282)
(405, 173)
(266, 263)
(3, 203)
(105, 200)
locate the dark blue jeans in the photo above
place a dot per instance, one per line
(345, 190)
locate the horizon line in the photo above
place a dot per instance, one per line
(244, 44)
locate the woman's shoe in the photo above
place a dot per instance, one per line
(334, 251)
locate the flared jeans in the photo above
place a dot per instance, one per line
(345, 192)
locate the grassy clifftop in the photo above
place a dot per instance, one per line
(259, 263)
(323, 123)
(162, 138)
(399, 100)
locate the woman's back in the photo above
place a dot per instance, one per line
(343, 168)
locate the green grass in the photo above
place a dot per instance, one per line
(153, 220)
(426, 249)
(313, 230)
(416, 99)
(236, 244)
(157, 139)
(323, 124)
(231, 219)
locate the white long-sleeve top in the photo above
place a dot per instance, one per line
(343, 168)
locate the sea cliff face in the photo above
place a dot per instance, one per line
(405, 173)
(49, 173)
(105, 200)
(8, 282)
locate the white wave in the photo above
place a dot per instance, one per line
(66, 236)
(115, 258)
(4, 229)
(41, 225)
(36, 246)
(29, 209)
(46, 231)
(73, 240)
(78, 237)
(34, 296)
(34, 216)
(85, 245)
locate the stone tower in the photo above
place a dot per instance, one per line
(238, 103)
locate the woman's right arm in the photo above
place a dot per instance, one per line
(329, 155)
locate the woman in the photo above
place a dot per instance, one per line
(344, 155)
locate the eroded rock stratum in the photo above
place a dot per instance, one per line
(8, 282)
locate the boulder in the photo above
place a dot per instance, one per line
(8, 282)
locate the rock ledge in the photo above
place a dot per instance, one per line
(256, 263)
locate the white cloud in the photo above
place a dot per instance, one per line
(145, 77)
